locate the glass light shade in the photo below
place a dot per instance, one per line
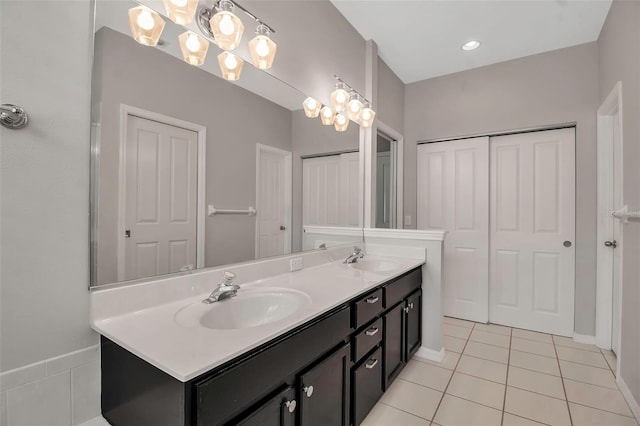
(181, 11)
(327, 115)
(311, 107)
(194, 48)
(263, 51)
(367, 116)
(341, 122)
(354, 109)
(146, 25)
(226, 27)
(230, 65)
(340, 99)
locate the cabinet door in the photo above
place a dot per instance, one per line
(413, 322)
(278, 411)
(394, 352)
(367, 386)
(324, 391)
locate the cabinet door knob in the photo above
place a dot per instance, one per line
(372, 331)
(411, 305)
(406, 309)
(372, 299)
(291, 405)
(308, 390)
(613, 243)
(371, 363)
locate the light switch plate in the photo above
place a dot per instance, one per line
(296, 264)
(407, 220)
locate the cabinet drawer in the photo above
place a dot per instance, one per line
(364, 341)
(402, 287)
(367, 308)
(367, 386)
(266, 370)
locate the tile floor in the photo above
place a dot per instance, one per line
(495, 375)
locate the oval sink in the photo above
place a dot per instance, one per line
(371, 265)
(250, 308)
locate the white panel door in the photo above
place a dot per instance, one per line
(532, 231)
(453, 179)
(160, 187)
(383, 190)
(350, 186)
(273, 218)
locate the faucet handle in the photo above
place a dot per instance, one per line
(357, 249)
(228, 277)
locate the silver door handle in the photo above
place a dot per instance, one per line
(567, 244)
(371, 363)
(282, 227)
(127, 233)
(308, 390)
(612, 244)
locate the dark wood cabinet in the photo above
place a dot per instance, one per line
(329, 371)
(278, 411)
(324, 390)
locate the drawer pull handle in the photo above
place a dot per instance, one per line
(308, 390)
(371, 363)
(291, 405)
(406, 309)
(372, 299)
(372, 331)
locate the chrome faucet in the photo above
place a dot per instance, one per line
(354, 256)
(225, 290)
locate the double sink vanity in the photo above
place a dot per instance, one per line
(316, 346)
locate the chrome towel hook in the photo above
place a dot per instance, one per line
(13, 116)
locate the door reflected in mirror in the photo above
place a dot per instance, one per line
(191, 171)
(386, 181)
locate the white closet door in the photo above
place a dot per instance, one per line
(350, 189)
(453, 185)
(532, 223)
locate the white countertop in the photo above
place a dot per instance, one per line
(187, 352)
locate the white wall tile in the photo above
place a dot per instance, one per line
(71, 360)
(85, 392)
(21, 376)
(45, 402)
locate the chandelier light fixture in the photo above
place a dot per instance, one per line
(347, 105)
(217, 23)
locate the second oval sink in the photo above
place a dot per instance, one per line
(250, 308)
(376, 265)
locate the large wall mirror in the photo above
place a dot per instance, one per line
(193, 171)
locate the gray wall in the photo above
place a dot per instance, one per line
(620, 61)
(155, 81)
(44, 301)
(549, 88)
(311, 137)
(390, 98)
(45, 168)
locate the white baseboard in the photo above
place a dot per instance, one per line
(584, 338)
(633, 404)
(430, 354)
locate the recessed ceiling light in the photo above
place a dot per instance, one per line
(471, 45)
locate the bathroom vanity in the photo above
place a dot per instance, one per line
(326, 364)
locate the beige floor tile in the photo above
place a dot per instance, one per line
(449, 362)
(586, 416)
(456, 331)
(542, 364)
(412, 398)
(455, 411)
(581, 357)
(536, 382)
(384, 415)
(477, 390)
(426, 375)
(586, 373)
(511, 420)
(485, 369)
(458, 322)
(597, 397)
(494, 328)
(569, 343)
(454, 344)
(533, 347)
(537, 407)
(490, 338)
(531, 335)
(611, 359)
(490, 352)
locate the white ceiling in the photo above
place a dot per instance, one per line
(421, 39)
